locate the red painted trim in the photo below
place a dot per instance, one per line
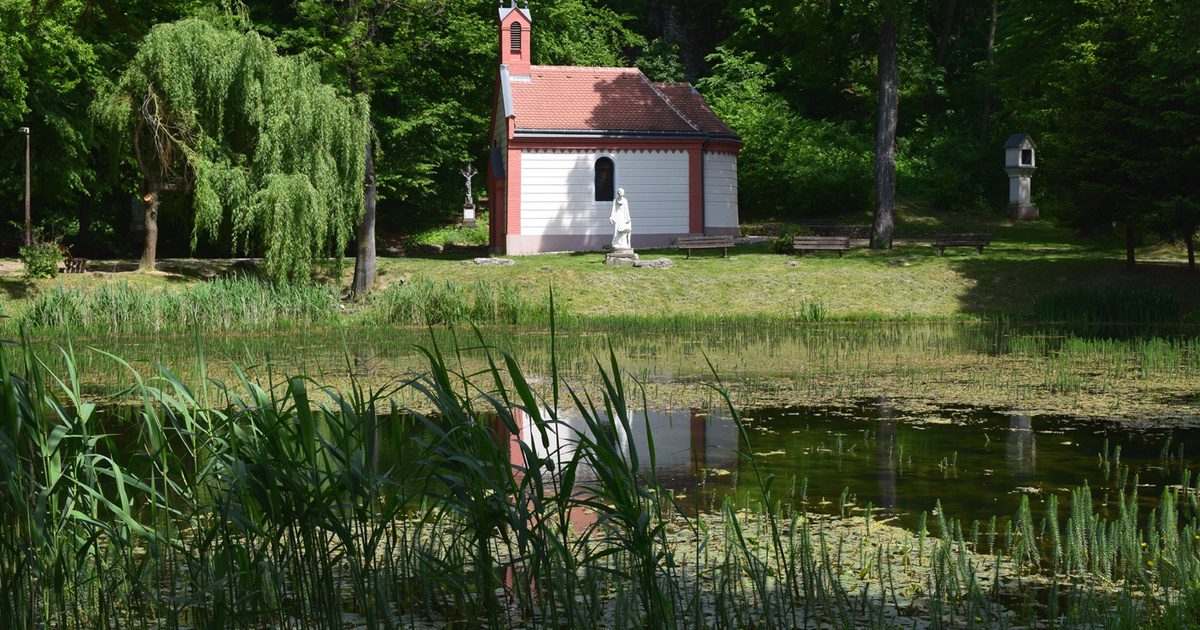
(518, 62)
(513, 207)
(696, 191)
(497, 201)
(496, 105)
(699, 440)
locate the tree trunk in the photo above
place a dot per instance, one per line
(885, 138)
(28, 237)
(364, 256)
(943, 45)
(1130, 260)
(150, 253)
(83, 213)
(987, 90)
(940, 50)
(364, 260)
(1191, 249)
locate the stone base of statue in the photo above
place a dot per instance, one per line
(468, 215)
(1023, 212)
(620, 257)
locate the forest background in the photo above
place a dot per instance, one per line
(1109, 89)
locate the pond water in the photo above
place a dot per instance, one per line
(977, 463)
(1035, 369)
(1003, 409)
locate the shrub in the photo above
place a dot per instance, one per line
(41, 259)
(791, 166)
(454, 234)
(783, 243)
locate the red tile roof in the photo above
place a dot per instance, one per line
(579, 98)
(691, 104)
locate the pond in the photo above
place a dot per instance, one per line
(976, 462)
(889, 420)
(1148, 379)
(898, 415)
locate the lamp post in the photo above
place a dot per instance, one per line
(28, 218)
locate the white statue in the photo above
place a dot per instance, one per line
(622, 224)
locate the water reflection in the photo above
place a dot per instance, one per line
(1020, 447)
(886, 465)
(686, 442)
(901, 463)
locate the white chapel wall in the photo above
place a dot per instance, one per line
(720, 192)
(557, 196)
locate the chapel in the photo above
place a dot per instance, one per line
(565, 138)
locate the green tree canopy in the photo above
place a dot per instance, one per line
(272, 156)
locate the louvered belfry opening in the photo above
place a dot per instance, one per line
(515, 36)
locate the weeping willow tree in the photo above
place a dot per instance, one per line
(272, 158)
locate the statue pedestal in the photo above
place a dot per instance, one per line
(1023, 212)
(468, 215)
(1020, 180)
(620, 257)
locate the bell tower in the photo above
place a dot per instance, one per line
(515, 31)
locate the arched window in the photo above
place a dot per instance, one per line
(515, 37)
(605, 180)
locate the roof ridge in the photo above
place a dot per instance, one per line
(667, 100)
(606, 68)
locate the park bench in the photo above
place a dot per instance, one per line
(705, 242)
(75, 265)
(978, 241)
(804, 244)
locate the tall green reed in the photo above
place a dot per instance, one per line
(282, 503)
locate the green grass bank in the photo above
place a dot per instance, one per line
(1027, 264)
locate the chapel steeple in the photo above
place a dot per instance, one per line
(515, 31)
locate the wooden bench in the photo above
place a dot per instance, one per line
(75, 265)
(804, 244)
(705, 242)
(978, 241)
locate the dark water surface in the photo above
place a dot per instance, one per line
(978, 463)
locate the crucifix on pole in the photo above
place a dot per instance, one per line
(469, 172)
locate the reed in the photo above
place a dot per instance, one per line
(1108, 311)
(223, 304)
(282, 503)
(426, 302)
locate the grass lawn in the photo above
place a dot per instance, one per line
(1026, 259)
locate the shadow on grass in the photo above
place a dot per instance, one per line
(13, 287)
(448, 252)
(1007, 285)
